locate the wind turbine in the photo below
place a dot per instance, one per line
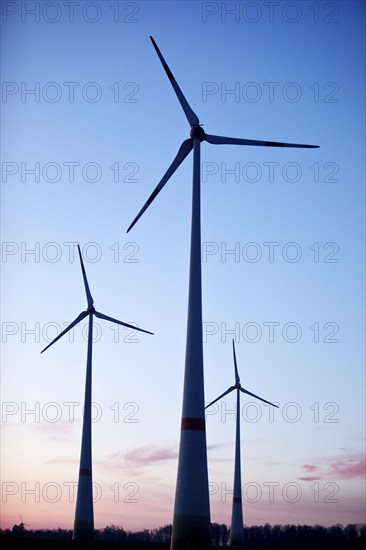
(237, 525)
(22, 524)
(21, 528)
(84, 515)
(191, 521)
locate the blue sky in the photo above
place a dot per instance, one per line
(282, 250)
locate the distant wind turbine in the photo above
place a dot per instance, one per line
(84, 515)
(191, 521)
(21, 528)
(22, 524)
(237, 525)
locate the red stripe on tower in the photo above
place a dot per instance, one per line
(85, 472)
(193, 424)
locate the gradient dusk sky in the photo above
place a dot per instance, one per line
(90, 123)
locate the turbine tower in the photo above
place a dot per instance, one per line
(191, 521)
(84, 515)
(237, 525)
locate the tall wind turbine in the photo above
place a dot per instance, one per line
(191, 521)
(237, 525)
(84, 515)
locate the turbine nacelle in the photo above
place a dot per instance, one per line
(91, 309)
(197, 132)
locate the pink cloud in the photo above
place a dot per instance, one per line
(134, 460)
(309, 468)
(351, 467)
(146, 455)
(309, 478)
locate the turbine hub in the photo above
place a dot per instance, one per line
(90, 309)
(197, 132)
(238, 385)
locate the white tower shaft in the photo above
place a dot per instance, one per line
(84, 514)
(237, 527)
(191, 521)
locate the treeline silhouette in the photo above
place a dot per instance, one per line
(269, 536)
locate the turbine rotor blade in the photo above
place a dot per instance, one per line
(71, 325)
(257, 397)
(222, 395)
(184, 150)
(237, 379)
(191, 116)
(87, 289)
(107, 318)
(221, 140)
